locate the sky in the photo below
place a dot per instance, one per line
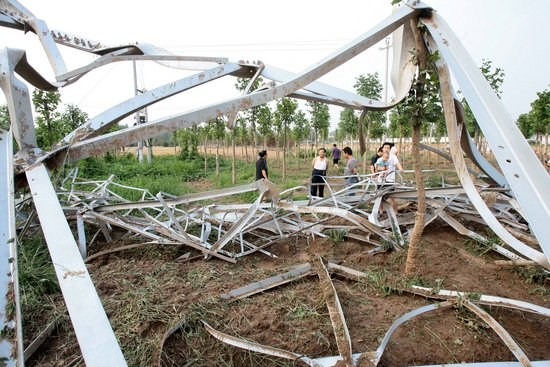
(291, 35)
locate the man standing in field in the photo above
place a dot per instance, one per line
(374, 159)
(335, 156)
(261, 166)
(351, 167)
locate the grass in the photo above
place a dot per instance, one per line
(337, 235)
(37, 280)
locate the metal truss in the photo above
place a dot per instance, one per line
(228, 232)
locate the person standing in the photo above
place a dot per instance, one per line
(319, 166)
(335, 156)
(393, 161)
(374, 159)
(261, 166)
(351, 167)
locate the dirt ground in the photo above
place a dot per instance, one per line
(147, 291)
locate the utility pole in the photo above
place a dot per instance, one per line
(387, 48)
(139, 151)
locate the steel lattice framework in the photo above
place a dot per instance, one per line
(524, 188)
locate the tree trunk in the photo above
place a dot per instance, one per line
(218, 157)
(233, 163)
(254, 134)
(205, 158)
(284, 151)
(416, 235)
(362, 143)
(277, 148)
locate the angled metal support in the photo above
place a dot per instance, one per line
(114, 114)
(23, 16)
(453, 128)
(91, 325)
(155, 128)
(529, 182)
(11, 335)
(17, 97)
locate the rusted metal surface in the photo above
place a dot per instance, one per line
(11, 338)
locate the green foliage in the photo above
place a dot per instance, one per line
(49, 125)
(537, 121)
(71, 118)
(425, 105)
(188, 140)
(337, 235)
(525, 125)
(320, 118)
(347, 125)
(4, 117)
(36, 273)
(540, 112)
(164, 173)
(301, 128)
(534, 274)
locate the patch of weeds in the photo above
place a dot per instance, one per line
(302, 311)
(198, 277)
(378, 279)
(337, 235)
(537, 276)
(479, 248)
(533, 274)
(37, 280)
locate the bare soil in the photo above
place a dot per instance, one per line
(146, 291)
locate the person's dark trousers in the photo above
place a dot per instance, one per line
(317, 178)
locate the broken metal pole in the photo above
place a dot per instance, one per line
(91, 325)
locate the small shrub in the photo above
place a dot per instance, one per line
(337, 235)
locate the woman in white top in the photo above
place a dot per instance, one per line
(320, 167)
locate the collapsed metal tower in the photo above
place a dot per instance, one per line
(527, 185)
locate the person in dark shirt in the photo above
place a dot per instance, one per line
(335, 156)
(374, 159)
(261, 166)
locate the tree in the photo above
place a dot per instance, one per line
(347, 125)
(370, 86)
(71, 118)
(218, 132)
(49, 124)
(420, 98)
(264, 122)
(525, 125)
(251, 115)
(301, 130)
(284, 115)
(540, 117)
(320, 120)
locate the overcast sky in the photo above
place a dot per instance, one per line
(287, 34)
